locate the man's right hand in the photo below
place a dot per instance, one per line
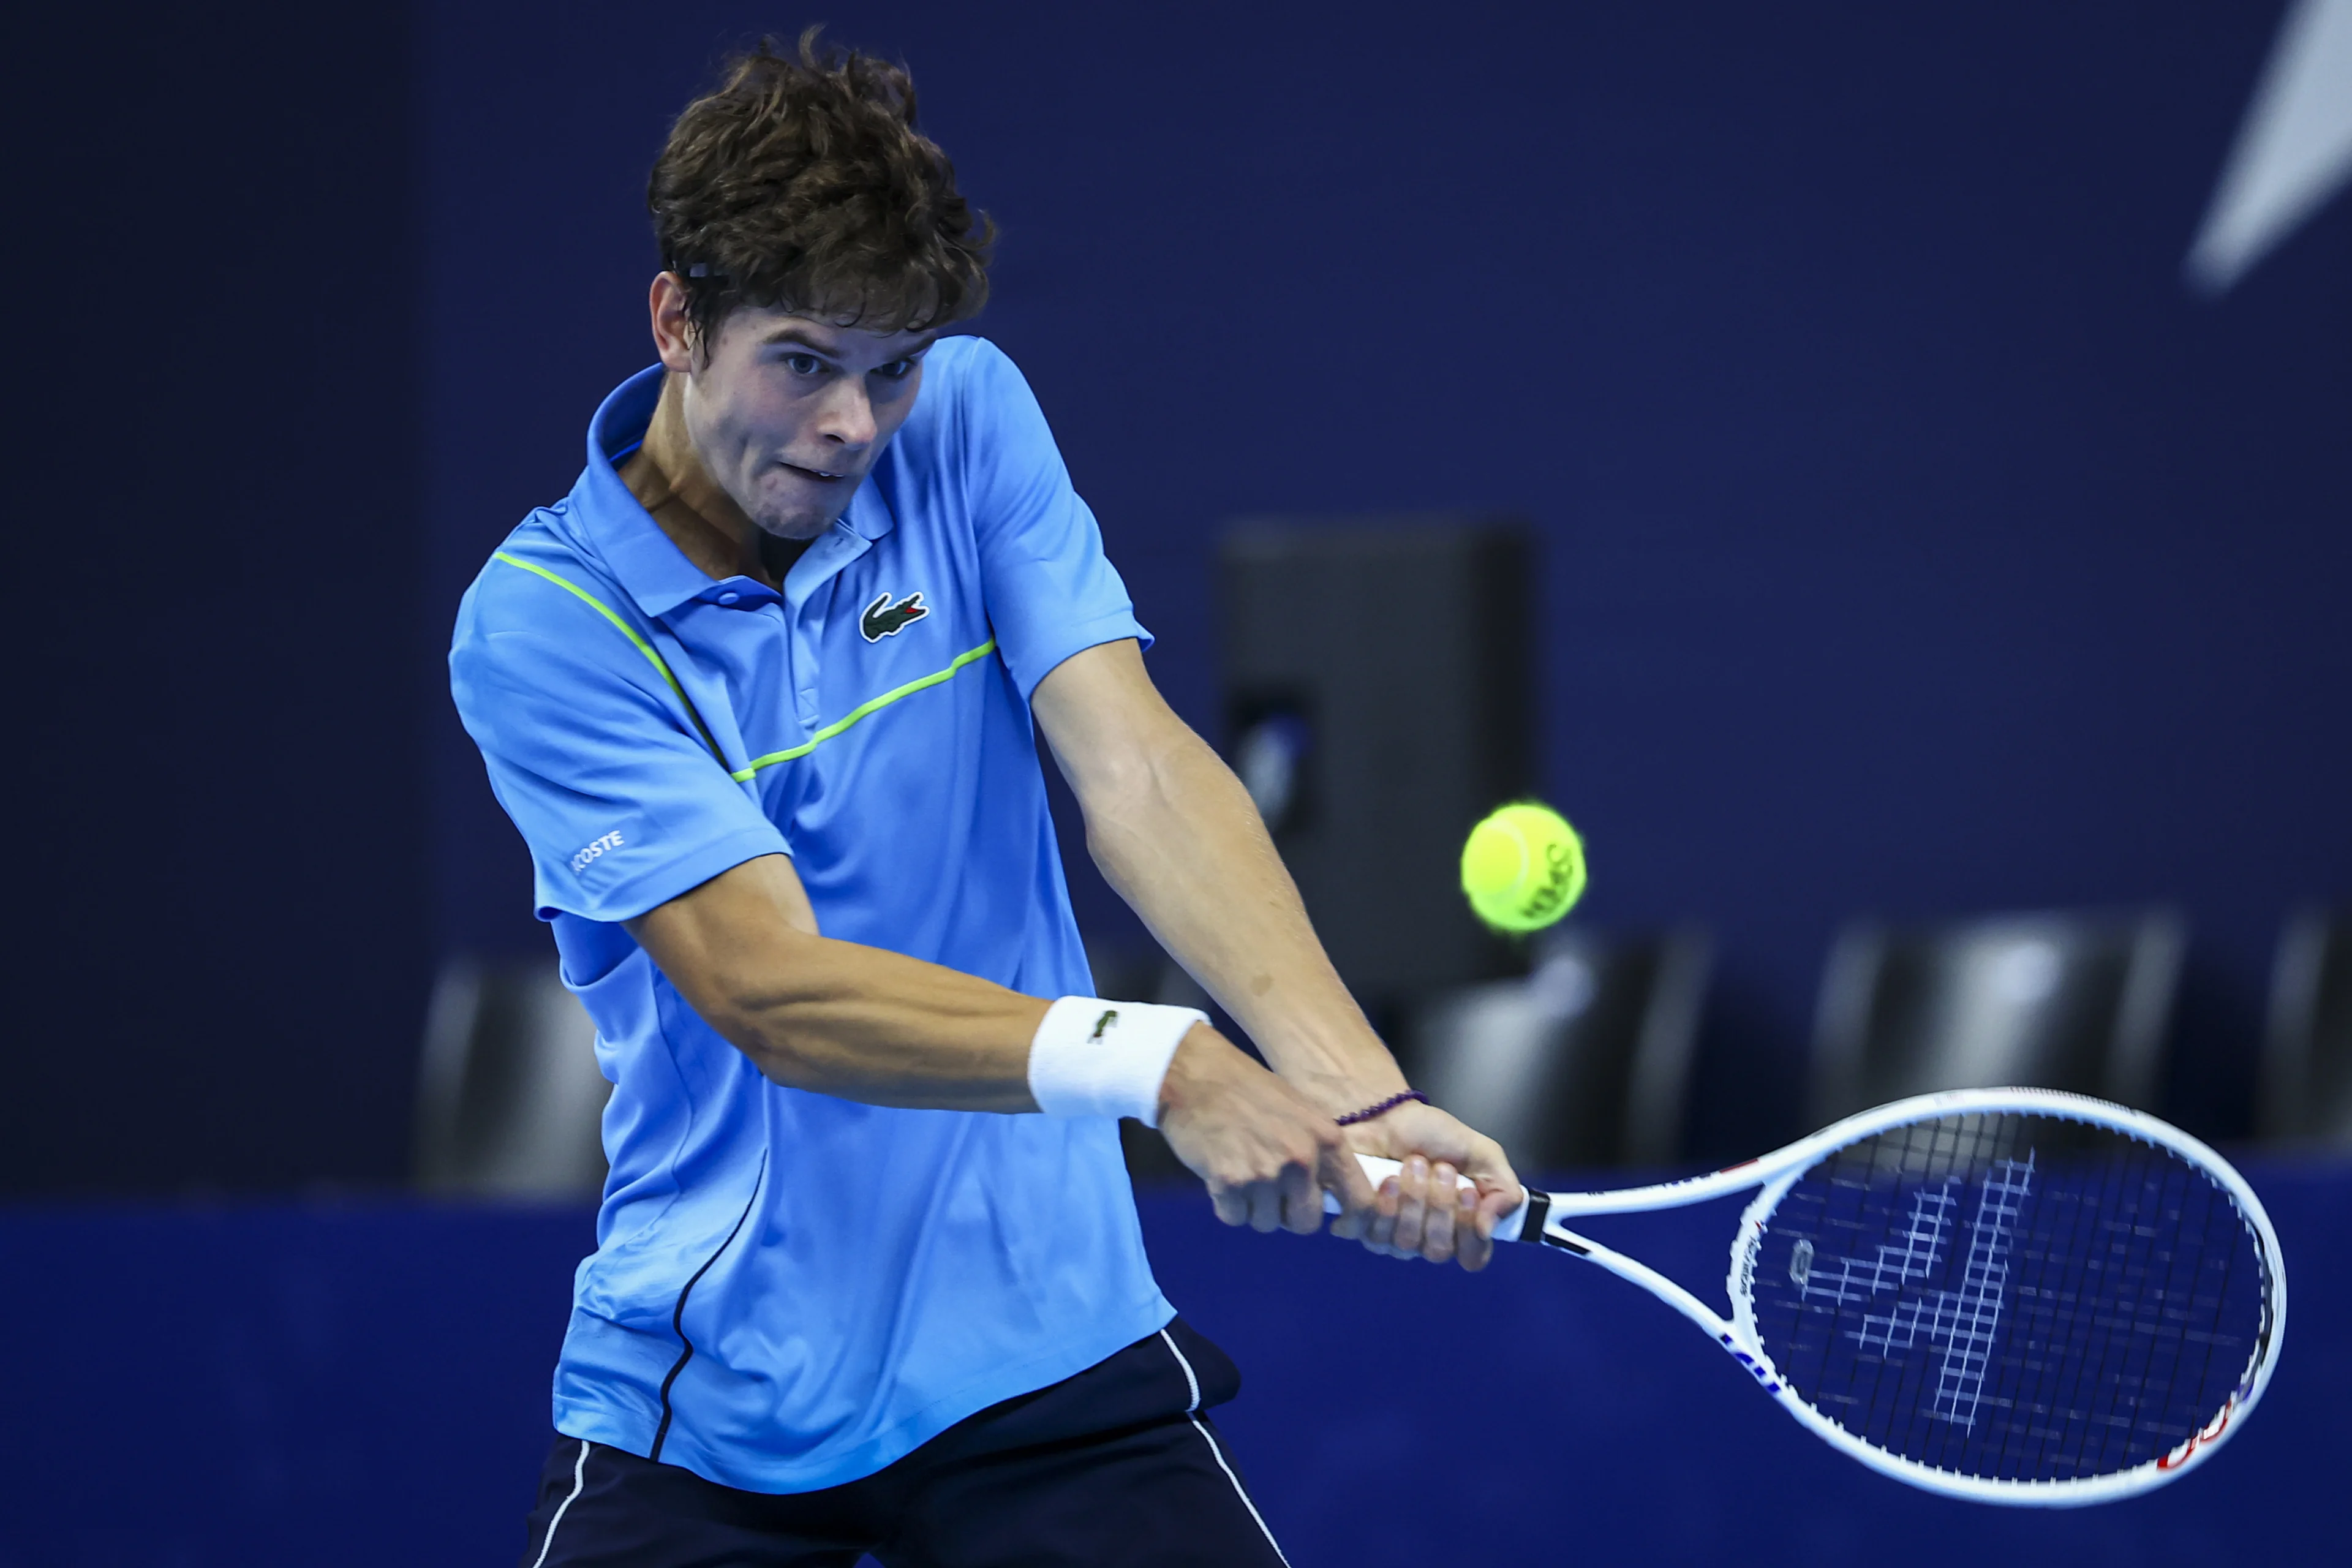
(1267, 1154)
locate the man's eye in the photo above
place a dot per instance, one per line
(897, 370)
(804, 364)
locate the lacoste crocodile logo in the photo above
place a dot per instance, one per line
(884, 619)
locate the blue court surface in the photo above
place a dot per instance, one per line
(364, 1383)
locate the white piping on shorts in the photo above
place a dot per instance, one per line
(1192, 1414)
(580, 1482)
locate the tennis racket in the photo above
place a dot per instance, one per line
(2006, 1295)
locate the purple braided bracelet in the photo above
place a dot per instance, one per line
(1382, 1107)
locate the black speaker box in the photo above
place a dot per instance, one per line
(1378, 684)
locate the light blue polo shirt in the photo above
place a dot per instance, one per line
(789, 1291)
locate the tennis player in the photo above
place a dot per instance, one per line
(758, 694)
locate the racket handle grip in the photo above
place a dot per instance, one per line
(1377, 1170)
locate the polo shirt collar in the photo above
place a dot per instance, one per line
(644, 561)
(867, 516)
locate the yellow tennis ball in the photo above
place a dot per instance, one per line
(1523, 868)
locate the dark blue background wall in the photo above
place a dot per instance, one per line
(1915, 542)
(219, 820)
(366, 1386)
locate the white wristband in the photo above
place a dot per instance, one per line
(1093, 1058)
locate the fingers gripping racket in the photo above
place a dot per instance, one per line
(2009, 1295)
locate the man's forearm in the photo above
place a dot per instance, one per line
(837, 1017)
(862, 1024)
(859, 1022)
(1181, 842)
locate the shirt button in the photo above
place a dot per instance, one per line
(729, 598)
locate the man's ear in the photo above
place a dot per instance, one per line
(673, 329)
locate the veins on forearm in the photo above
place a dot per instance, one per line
(1183, 844)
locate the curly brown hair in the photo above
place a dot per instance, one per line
(803, 183)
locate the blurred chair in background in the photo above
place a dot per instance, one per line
(1585, 1063)
(510, 1098)
(2054, 1000)
(2306, 1075)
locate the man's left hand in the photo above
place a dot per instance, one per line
(1424, 1211)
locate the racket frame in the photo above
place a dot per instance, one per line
(1776, 1172)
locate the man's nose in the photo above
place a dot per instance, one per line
(848, 415)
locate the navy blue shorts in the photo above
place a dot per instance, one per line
(1116, 1467)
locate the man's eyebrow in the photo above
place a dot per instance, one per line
(793, 332)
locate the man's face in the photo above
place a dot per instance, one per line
(789, 413)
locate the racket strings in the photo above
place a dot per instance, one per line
(2011, 1296)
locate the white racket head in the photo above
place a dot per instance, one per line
(2014, 1296)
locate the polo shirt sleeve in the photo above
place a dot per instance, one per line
(1051, 591)
(623, 806)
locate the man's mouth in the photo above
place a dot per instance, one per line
(814, 473)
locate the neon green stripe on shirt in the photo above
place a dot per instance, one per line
(864, 708)
(628, 631)
(745, 774)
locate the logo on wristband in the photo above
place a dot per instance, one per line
(1105, 1022)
